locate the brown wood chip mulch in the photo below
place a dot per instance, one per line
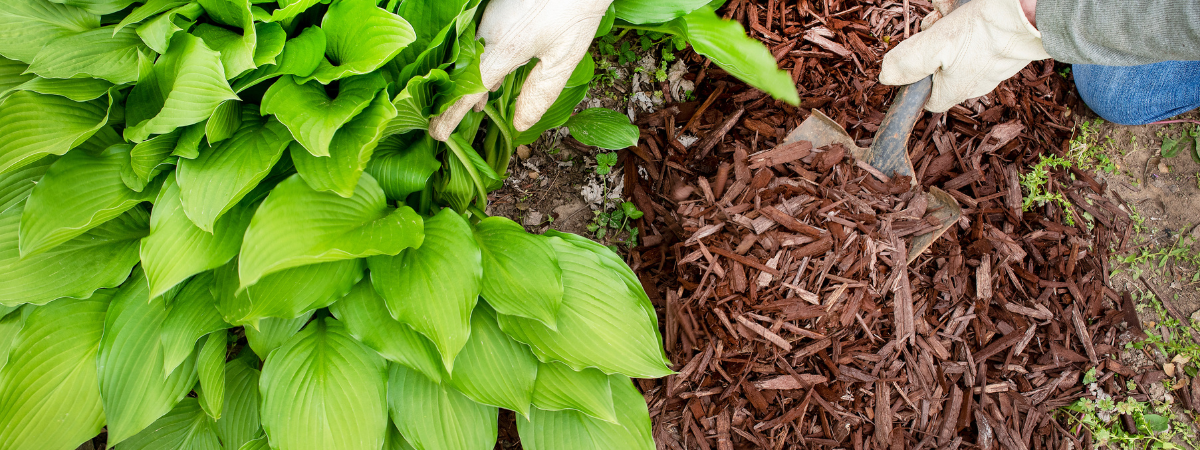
(778, 270)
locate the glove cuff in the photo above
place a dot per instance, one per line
(1015, 7)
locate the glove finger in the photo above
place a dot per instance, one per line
(914, 59)
(541, 89)
(481, 104)
(443, 125)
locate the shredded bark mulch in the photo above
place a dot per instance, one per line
(779, 270)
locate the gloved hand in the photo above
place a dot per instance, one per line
(557, 32)
(969, 52)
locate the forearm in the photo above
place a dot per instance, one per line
(1118, 33)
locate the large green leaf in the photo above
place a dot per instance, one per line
(312, 117)
(361, 37)
(221, 176)
(224, 122)
(588, 391)
(494, 369)
(613, 262)
(27, 25)
(34, 125)
(601, 323)
(16, 185)
(133, 386)
(414, 103)
(434, 287)
(655, 11)
(573, 430)
(557, 115)
(185, 87)
(190, 315)
(285, 294)
(12, 320)
(177, 249)
(237, 48)
(185, 427)
(210, 369)
(147, 10)
(402, 168)
(49, 391)
(158, 32)
(76, 89)
(300, 56)
(437, 417)
(79, 192)
(12, 74)
(521, 273)
(100, 7)
(239, 422)
(97, 53)
(100, 258)
(324, 390)
(603, 128)
(726, 44)
(367, 319)
(464, 73)
(349, 151)
(297, 226)
(289, 9)
(273, 332)
(149, 158)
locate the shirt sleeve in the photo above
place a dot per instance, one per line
(1120, 32)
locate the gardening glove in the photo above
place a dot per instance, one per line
(556, 32)
(968, 52)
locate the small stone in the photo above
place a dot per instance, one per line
(1169, 369)
(523, 151)
(533, 219)
(522, 206)
(534, 175)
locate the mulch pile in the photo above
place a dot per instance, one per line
(779, 269)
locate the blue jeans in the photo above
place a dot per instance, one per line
(1137, 95)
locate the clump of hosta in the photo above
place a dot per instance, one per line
(223, 225)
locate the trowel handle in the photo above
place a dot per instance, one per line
(897, 125)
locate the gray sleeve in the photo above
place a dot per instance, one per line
(1120, 32)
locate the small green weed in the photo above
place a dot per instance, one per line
(1035, 181)
(616, 223)
(1186, 141)
(1178, 346)
(1086, 150)
(1157, 427)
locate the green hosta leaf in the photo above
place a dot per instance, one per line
(466, 164)
(135, 390)
(149, 9)
(149, 158)
(176, 249)
(324, 390)
(257, 444)
(394, 440)
(588, 391)
(78, 193)
(289, 9)
(414, 103)
(239, 421)
(604, 128)
(434, 287)
(300, 57)
(285, 294)
(572, 430)
(273, 332)
(158, 32)
(190, 315)
(349, 151)
(27, 25)
(402, 168)
(237, 49)
(361, 38)
(185, 87)
(225, 121)
(11, 322)
(367, 319)
(655, 11)
(601, 322)
(49, 391)
(221, 176)
(100, 7)
(521, 273)
(210, 367)
(492, 368)
(614, 263)
(76, 89)
(726, 44)
(12, 74)
(16, 185)
(97, 53)
(312, 117)
(185, 427)
(188, 144)
(436, 417)
(557, 115)
(34, 125)
(465, 74)
(100, 258)
(297, 226)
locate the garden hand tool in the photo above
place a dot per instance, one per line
(888, 153)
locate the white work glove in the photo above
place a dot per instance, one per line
(556, 32)
(968, 52)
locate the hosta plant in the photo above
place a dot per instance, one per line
(223, 225)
